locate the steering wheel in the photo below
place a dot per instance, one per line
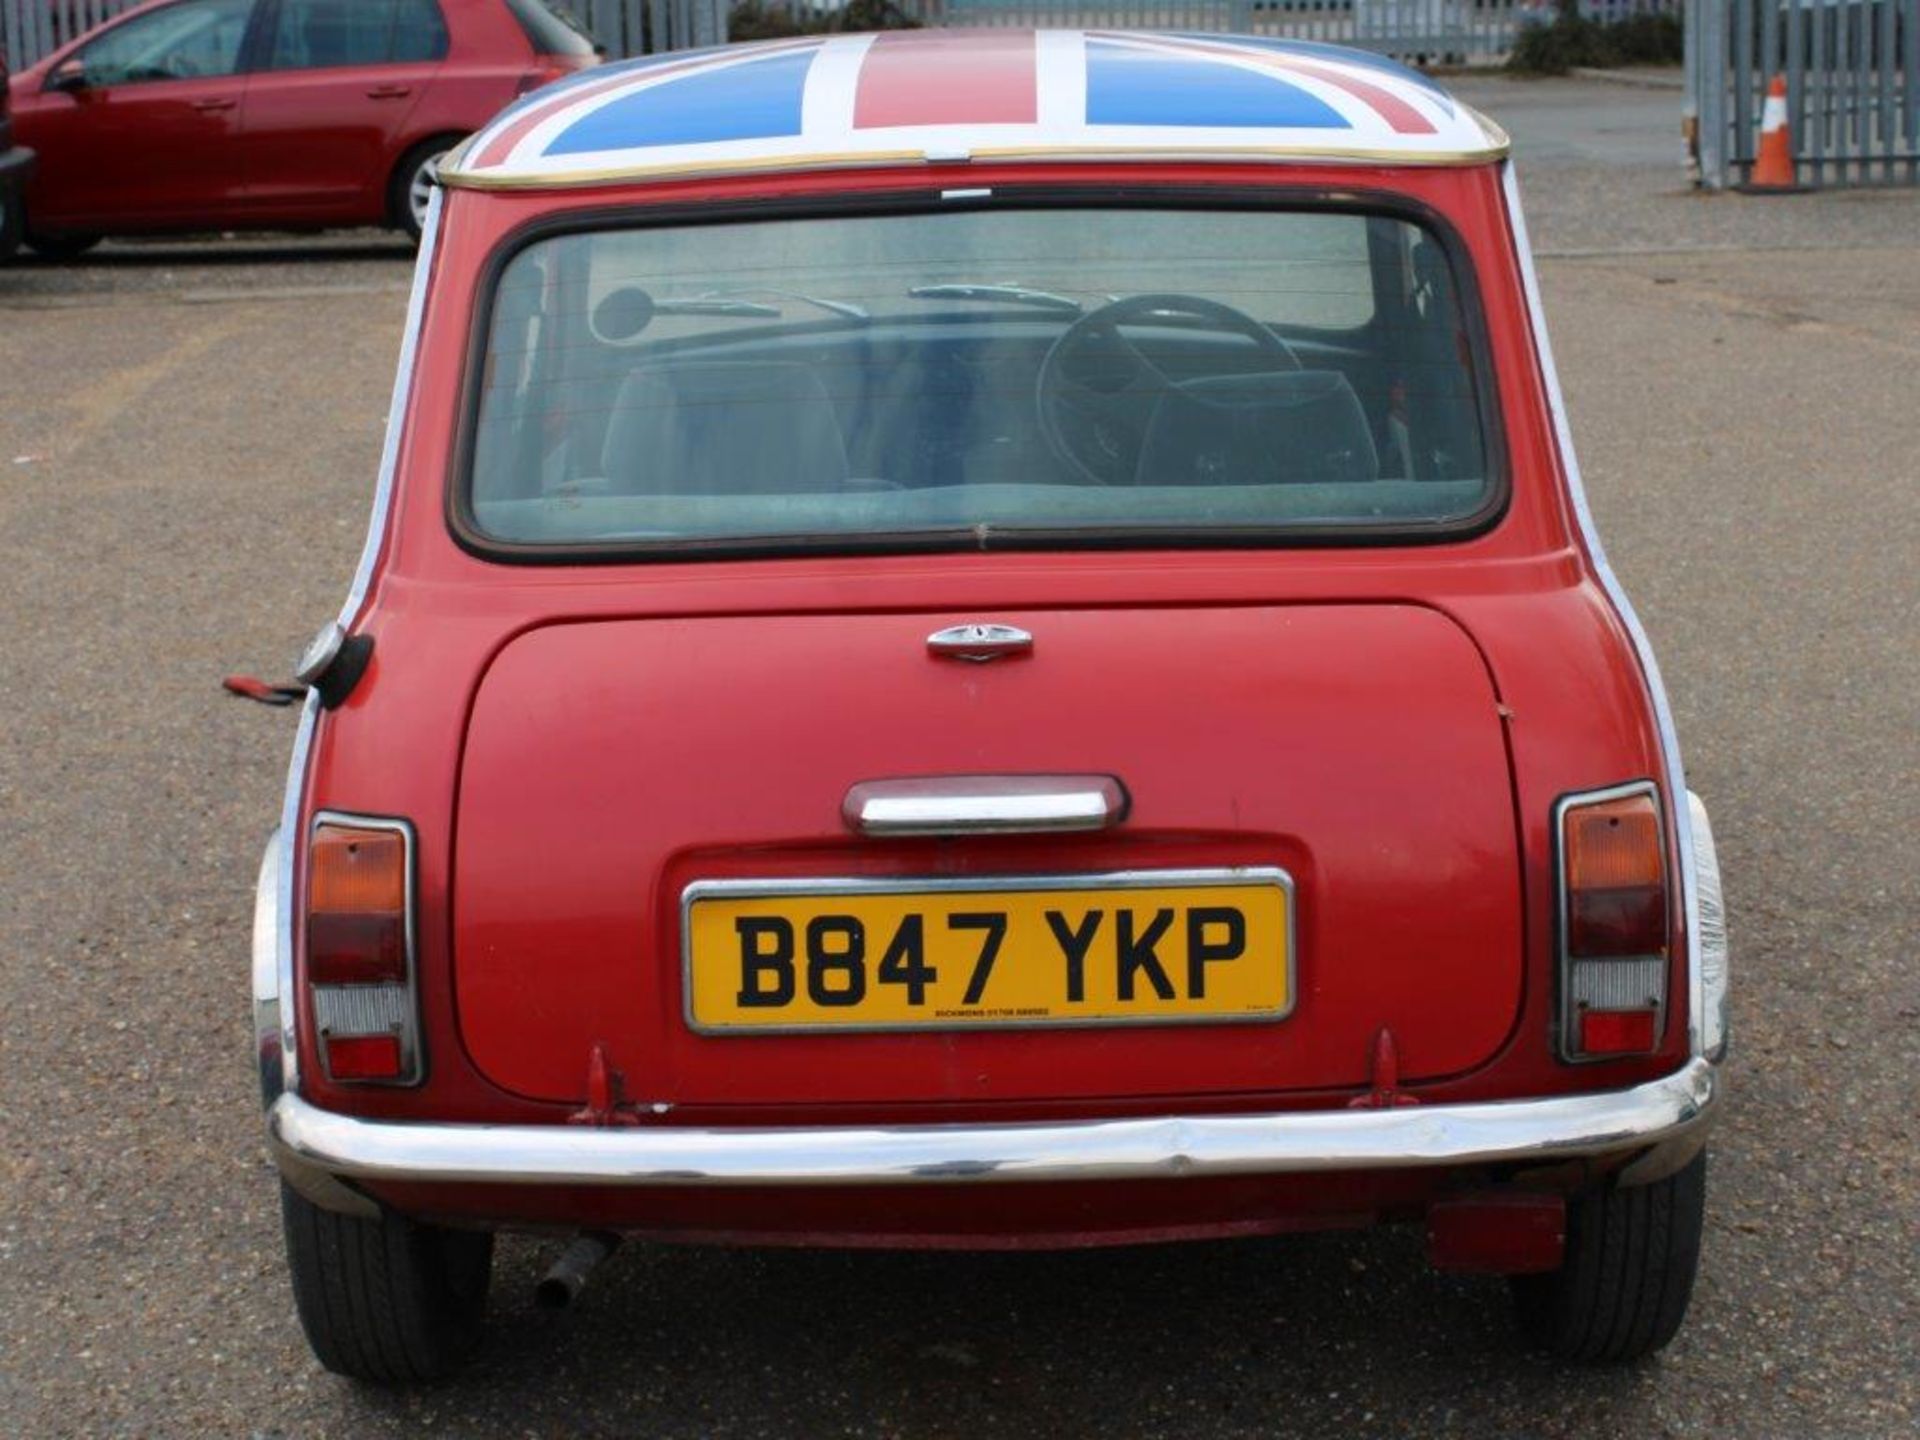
(1097, 390)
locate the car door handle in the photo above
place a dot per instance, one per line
(389, 92)
(985, 804)
(218, 104)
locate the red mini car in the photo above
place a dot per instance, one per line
(978, 640)
(270, 114)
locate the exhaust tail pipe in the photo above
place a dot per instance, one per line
(568, 1275)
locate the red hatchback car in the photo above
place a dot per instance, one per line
(984, 639)
(270, 114)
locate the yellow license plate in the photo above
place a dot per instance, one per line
(1161, 946)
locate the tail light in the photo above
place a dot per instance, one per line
(359, 952)
(1614, 922)
(546, 69)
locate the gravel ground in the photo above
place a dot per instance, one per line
(187, 439)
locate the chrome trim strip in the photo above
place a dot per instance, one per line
(1661, 1112)
(1567, 1048)
(396, 417)
(948, 885)
(984, 804)
(284, 894)
(1676, 777)
(454, 176)
(349, 612)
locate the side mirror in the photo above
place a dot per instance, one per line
(68, 76)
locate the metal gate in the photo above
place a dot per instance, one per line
(31, 28)
(1423, 31)
(639, 27)
(1852, 73)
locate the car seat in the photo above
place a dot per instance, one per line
(724, 428)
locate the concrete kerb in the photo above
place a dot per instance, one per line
(1639, 78)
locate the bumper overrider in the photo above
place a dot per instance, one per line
(1651, 1130)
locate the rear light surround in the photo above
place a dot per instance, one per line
(546, 69)
(367, 1002)
(1613, 944)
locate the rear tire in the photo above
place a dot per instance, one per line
(1632, 1253)
(61, 247)
(391, 1301)
(412, 183)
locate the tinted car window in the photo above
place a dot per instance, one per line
(316, 34)
(419, 31)
(1019, 374)
(194, 39)
(551, 32)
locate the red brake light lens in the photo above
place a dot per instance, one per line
(365, 1057)
(1618, 1032)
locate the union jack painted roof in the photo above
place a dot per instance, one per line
(913, 96)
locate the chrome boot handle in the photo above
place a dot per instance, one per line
(985, 804)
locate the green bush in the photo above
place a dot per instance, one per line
(1648, 39)
(754, 20)
(1571, 41)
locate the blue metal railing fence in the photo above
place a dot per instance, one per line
(1427, 31)
(1852, 73)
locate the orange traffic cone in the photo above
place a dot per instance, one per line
(1773, 169)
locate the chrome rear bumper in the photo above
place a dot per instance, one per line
(1659, 1125)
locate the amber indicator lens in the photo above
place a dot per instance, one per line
(358, 871)
(1616, 879)
(356, 906)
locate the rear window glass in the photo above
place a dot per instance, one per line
(982, 376)
(324, 34)
(419, 31)
(551, 30)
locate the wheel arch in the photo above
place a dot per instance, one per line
(423, 143)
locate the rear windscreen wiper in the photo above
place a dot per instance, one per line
(1007, 294)
(733, 294)
(714, 305)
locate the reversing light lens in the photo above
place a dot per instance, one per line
(357, 907)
